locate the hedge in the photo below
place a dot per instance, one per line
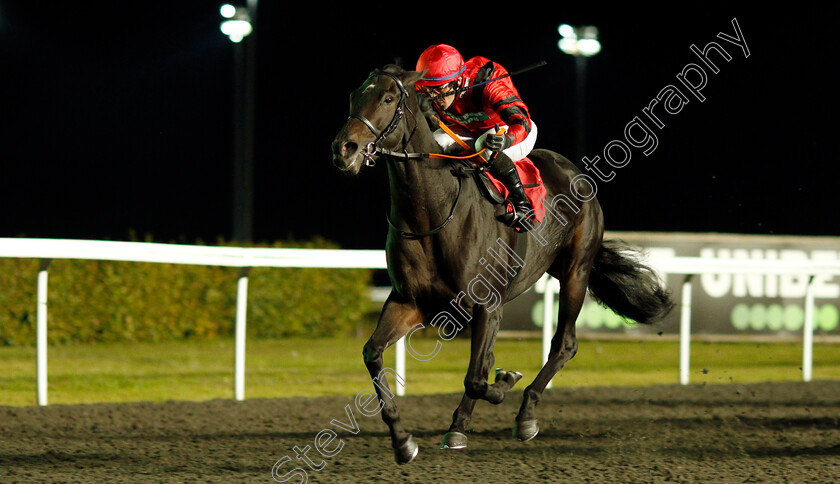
(99, 301)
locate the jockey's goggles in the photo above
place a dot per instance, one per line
(442, 89)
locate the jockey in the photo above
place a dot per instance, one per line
(475, 115)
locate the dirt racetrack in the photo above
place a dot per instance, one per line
(783, 432)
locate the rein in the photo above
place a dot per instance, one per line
(374, 148)
(420, 235)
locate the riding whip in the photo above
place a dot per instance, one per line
(462, 89)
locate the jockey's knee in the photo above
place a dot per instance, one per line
(521, 150)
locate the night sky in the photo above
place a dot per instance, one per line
(118, 118)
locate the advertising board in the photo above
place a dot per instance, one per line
(722, 304)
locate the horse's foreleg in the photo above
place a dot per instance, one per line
(394, 322)
(563, 347)
(485, 327)
(455, 437)
(484, 331)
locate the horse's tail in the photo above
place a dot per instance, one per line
(618, 280)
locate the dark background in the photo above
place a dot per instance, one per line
(117, 117)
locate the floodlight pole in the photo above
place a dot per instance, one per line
(244, 56)
(580, 42)
(244, 105)
(580, 73)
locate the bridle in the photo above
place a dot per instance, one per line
(375, 148)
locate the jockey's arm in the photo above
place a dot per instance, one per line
(505, 101)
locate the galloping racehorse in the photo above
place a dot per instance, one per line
(450, 259)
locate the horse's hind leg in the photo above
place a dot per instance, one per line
(574, 277)
(394, 322)
(485, 328)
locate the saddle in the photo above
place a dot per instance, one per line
(496, 192)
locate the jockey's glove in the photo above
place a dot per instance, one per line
(498, 142)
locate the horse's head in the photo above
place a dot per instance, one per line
(377, 109)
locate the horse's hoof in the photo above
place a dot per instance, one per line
(512, 376)
(454, 440)
(525, 430)
(406, 452)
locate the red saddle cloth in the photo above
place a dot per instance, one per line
(532, 183)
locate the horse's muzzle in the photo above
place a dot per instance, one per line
(346, 156)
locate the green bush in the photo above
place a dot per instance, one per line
(97, 301)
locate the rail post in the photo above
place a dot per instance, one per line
(399, 364)
(685, 329)
(808, 332)
(41, 332)
(239, 351)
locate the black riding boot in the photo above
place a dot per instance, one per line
(504, 170)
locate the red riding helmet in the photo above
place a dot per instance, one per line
(444, 64)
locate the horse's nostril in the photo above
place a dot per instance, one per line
(349, 148)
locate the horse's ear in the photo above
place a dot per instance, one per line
(411, 77)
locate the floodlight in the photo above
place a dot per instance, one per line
(227, 10)
(578, 41)
(238, 26)
(588, 47)
(566, 30)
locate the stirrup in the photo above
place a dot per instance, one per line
(514, 219)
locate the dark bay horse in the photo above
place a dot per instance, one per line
(450, 259)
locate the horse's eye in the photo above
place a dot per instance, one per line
(389, 99)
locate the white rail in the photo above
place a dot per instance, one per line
(693, 266)
(246, 258)
(190, 254)
(48, 249)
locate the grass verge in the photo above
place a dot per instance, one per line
(203, 370)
